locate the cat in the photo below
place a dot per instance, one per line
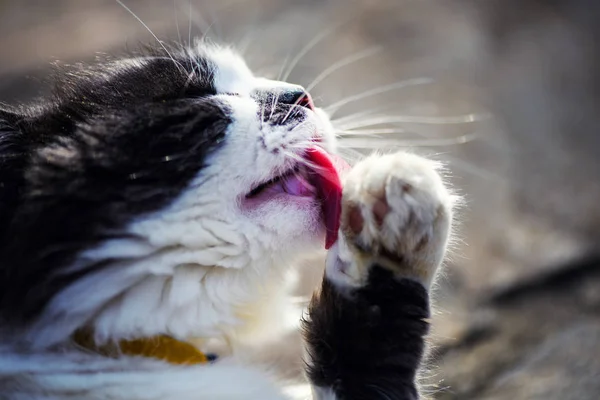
(165, 195)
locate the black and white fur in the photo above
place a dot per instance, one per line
(123, 209)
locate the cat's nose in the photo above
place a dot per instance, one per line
(296, 95)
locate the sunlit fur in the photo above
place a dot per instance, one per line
(202, 266)
(201, 262)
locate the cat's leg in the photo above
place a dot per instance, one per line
(365, 330)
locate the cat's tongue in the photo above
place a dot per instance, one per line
(327, 181)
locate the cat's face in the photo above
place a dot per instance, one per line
(145, 177)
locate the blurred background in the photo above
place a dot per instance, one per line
(504, 91)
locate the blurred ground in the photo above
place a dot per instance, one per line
(519, 305)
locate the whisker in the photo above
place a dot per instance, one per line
(310, 45)
(177, 22)
(351, 155)
(370, 131)
(262, 115)
(292, 108)
(473, 169)
(303, 161)
(190, 23)
(216, 22)
(287, 115)
(242, 44)
(276, 98)
(273, 103)
(198, 20)
(303, 144)
(152, 33)
(343, 63)
(333, 108)
(182, 45)
(357, 116)
(190, 77)
(295, 110)
(282, 68)
(296, 157)
(207, 31)
(365, 143)
(379, 120)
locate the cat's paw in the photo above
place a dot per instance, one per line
(396, 213)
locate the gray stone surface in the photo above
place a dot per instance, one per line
(518, 306)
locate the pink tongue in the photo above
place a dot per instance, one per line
(329, 188)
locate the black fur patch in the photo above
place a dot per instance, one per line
(368, 345)
(116, 141)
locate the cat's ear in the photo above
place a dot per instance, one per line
(13, 158)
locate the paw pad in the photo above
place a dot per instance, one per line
(396, 213)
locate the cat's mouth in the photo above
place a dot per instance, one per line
(295, 182)
(316, 178)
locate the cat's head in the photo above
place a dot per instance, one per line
(146, 195)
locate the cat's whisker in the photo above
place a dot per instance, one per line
(199, 21)
(262, 115)
(185, 50)
(353, 116)
(333, 108)
(360, 115)
(309, 46)
(283, 65)
(177, 22)
(273, 103)
(216, 22)
(300, 159)
(278, 78)
(351, 155)
(370, 132)
(375, 143)
(303, 144)
(294, 156)
(190, 78)
(178, 64)
(304, 51)
(343, 63)
(242, 44)
(474, 170)
(408, 119)
(303, 160)
(196, 19)
(295, 111)
(207, 31)
(293, 108)
(189, 23)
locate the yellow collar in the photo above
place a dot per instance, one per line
(160, 347)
